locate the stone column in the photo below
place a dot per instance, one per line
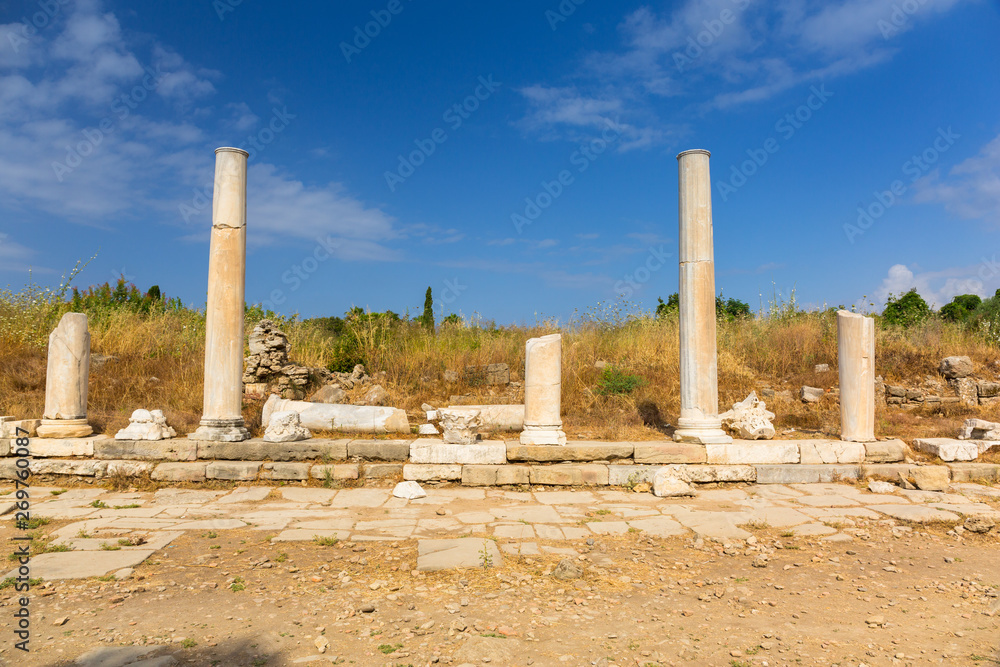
(543, 391)
(856, 361)
(699, 420)
(66, 380)
(222, 418)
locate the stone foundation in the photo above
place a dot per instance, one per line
(490, 463)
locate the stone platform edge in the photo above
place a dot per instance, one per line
(435, 451)
(507, 474)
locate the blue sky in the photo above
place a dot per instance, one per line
(517, 157)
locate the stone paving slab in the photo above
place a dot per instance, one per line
(518, 517)
(71, 565)
(433, 555)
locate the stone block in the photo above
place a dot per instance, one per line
(706, 474)
(805, 474)
(242, 471)
(42, 447)
(18, 428)
(129, 468)
(890, 471)
(382, 470)
(931, 478)
(570, 452)
(176, 449)
(287, 471)
(830, 451)
(434, 555)
(949, 449)
(422, 472)
(336, 471)
(885, 451)
(989, 389)
(81, 468)
(379, 450)
(626, 475)
(4, 446)
(669, 452)
(753, 452)
(495, 475)
(570, 474)
(434, 451)
(259, 450)
(179, 472)
(975, 472)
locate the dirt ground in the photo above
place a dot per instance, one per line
(902, 597)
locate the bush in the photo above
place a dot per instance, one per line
(669, 308)
(615, 381)
(906, 310)
(961, 307)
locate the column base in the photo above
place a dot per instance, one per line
(701, 432)
(858, 438)
(64, 428)
(221, 430)
(542, 435)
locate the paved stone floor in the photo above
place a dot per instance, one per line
(115, 535)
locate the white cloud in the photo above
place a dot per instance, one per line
(141, 166)
(720, 53)
(972, 188)
(936, 287)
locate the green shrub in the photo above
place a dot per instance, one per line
(615, 381)
(961, 308)
(905, 310)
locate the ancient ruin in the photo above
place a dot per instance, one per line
(543, 392)
(699, 419)
(222, 418)
(856, 361)
(66, 381)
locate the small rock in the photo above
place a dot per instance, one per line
(321, 643)
(979, 524)
(821, 368)
(881, 487)
(409, 491)
(955, 367)
(567, 569)
(60, 621)
(810, 394)
(367, 608)
(330, 394)
(669, 482)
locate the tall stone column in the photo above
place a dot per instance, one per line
(856, 361)
(543, 391)
(699, 420)
(66, 380)
(222, 418)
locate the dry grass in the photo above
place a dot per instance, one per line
(157, 363)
